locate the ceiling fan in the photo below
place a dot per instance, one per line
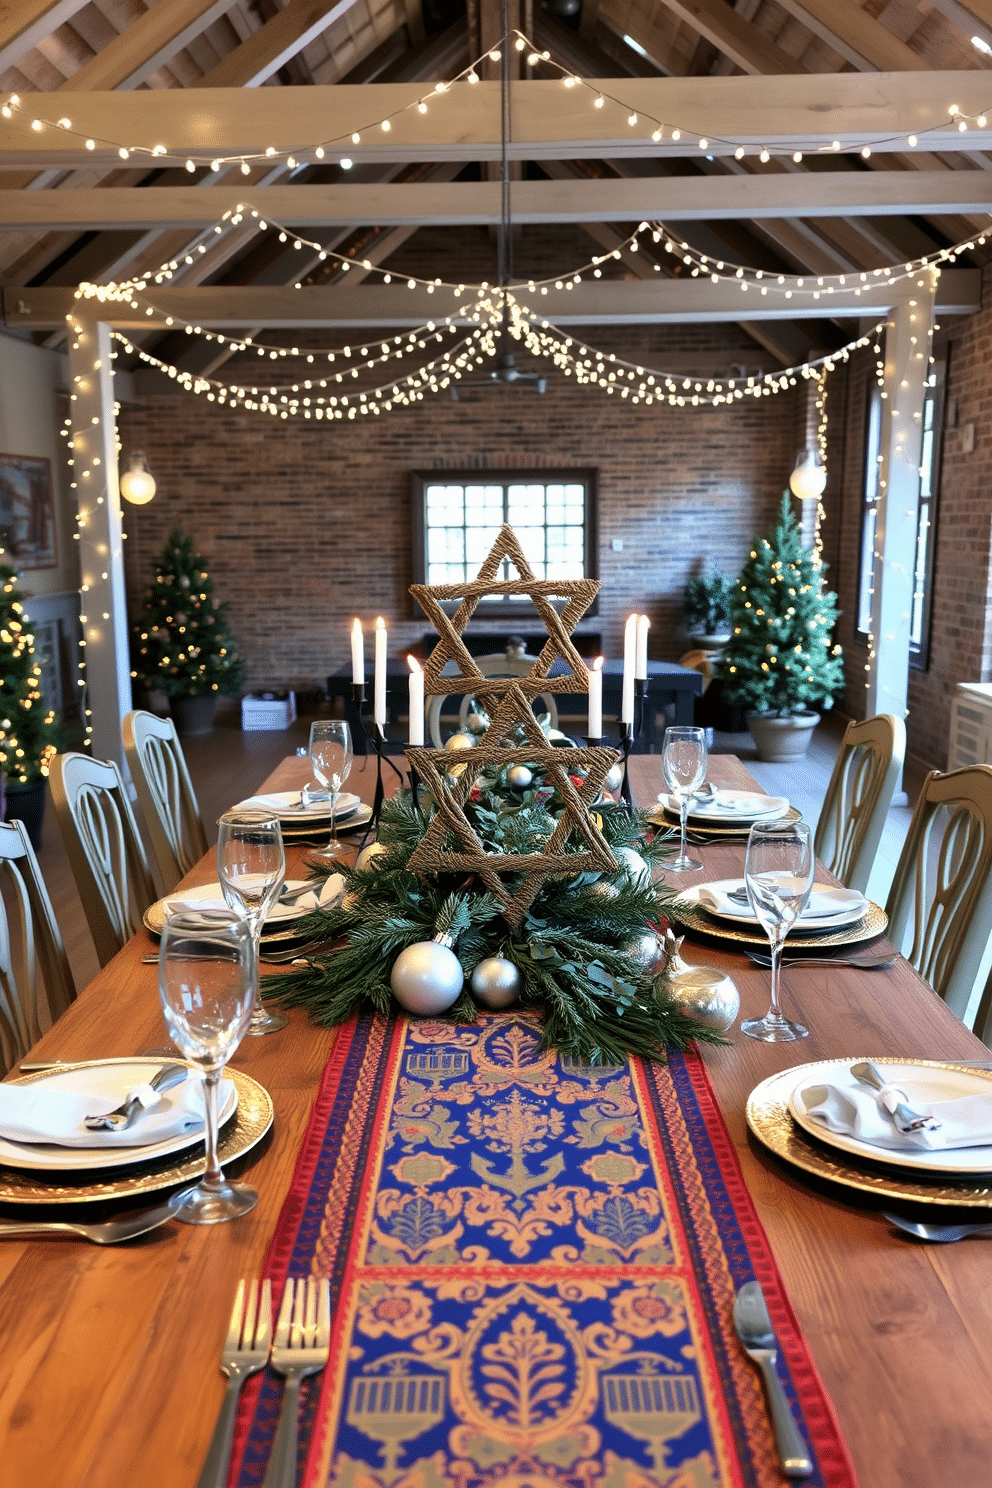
(504, 371)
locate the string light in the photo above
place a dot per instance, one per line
(654, 129)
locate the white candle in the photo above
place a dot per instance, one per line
(379, 704)
(416, 702)
(596, 699)
(641, 667)
(629, 657)
(357, 654)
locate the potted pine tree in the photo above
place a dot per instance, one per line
(705, 612)
(182, 644)
(779, 661)
(28, 730)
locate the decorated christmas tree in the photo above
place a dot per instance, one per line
(779, 658)
(182, 644)
(28, 731)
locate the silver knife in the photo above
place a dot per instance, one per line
(754, 1329)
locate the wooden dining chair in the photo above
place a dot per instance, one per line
(36, 983)
(104, 849)
(940, 903)
(858, 796)
(166, 795)
(499, 665)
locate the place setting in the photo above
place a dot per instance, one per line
(713, 811)
(119, 1128)
(914, 1130)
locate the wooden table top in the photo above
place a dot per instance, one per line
(110, 1356)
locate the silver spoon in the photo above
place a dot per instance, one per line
(118, 1120)
(942, 1234)
(106, 1232)
(867, 963)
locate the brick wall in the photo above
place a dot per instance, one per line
(307, 525)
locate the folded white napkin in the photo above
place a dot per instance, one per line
(39, 1113)
(856, 1112)
(822, 903)
(203, 912)
(328, 896)
(317, 805)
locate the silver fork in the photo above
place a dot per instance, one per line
(301, 1346)
(246, 1348)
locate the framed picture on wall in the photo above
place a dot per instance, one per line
(27, 511)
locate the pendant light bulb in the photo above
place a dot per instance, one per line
(809, 478)
(137, 484)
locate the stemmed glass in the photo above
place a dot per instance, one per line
(778, 874)
(205, 978)
(330, 760)
(251, 866)
(683, 763)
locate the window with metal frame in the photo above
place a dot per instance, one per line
(926, 527)
(457, 515)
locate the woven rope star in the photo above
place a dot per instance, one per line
(554, 861)
(579, 594)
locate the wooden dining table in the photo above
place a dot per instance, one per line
(110, 1356)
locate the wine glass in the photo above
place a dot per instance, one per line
(251, 866)
(683, 762)
(778, 874)
(206, 983)
(330, 760)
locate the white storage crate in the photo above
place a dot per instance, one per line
(259, 714)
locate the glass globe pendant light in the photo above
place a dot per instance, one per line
(137, 483)
(809, 478)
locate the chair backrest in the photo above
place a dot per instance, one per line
(701, 662)
(36, 984)
(858, 796)
(940, 903)
(499, 665)
(103, 847)
(168, 801)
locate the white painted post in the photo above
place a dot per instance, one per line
(907, 367)
(103, 602)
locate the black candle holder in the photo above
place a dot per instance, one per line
(627, 736)
(414, 779)
(379, 741)
(640, 704)
(359, 743)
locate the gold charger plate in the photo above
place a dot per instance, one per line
(695, 917)
(769, 1118)
(663, 818)
(243, 1132)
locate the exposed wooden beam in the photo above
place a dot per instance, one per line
(549, 121)
(603, 302)
(146, 45)
(746, 46)
(476, 203)
(974, 19)
(23, 23)
(272, 45)
(855, 34)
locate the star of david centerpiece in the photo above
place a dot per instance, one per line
(510, 701)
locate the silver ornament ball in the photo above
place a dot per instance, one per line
(371, 851)
(633, 865)
(495, 982)
(519, 776)
(614, 778)
(426, 978)
(603, 889)
(460, 741)
(704, 992)
(645, 947)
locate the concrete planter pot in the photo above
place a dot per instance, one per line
(782, 741)
(194, 715)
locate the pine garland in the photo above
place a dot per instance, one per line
(572, 949)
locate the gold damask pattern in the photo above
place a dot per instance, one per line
(521, 1306)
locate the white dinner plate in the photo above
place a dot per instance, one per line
(730, 806)
(312, 828)
(211, 896)
(850, 906)
(42, 1156)
(286, 806)
(922, 1082)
